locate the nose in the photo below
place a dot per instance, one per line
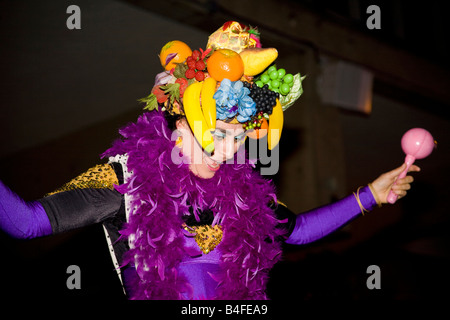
(230, 149)
(226, 148)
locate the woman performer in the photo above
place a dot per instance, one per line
(185, 214)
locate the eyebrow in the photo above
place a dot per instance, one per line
(224, 132)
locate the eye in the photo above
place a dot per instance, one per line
(240, 137)
(219, 135)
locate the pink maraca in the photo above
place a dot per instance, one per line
(417, 143)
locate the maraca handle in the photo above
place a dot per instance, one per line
(392, 197)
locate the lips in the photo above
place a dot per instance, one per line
(211, 164)
(213, 168)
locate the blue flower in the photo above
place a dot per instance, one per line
(233, 98)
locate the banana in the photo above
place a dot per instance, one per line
(276, 120)
(208, 102)
(194, 115)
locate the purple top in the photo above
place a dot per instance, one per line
(309, 227)
(27, 220)
(317, 223)
(20, 219)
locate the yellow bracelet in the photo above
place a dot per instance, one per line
(363, 210)
(375, 196)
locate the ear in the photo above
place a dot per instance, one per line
(182, 124)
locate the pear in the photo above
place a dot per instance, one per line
(256, 60)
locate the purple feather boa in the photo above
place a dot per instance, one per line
(161, 192)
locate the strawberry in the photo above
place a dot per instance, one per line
(183, 85)
(161, 97)
(191, 64)
(196, 55)
(200, 65)
(199, 76)
(190, 73)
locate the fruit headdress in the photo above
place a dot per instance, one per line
(233, 79)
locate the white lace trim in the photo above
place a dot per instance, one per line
(122, 159)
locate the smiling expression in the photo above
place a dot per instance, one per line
(227, 140)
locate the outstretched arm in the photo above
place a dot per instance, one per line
(318, 223)
(21, 219)
(87, 199)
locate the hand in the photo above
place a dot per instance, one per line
(384, 183)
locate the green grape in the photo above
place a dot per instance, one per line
(291, 84)
(273, 75)
(281, 73)
(275, 83)
(259, 83)
(271, 68)
(285, 89)
(265, 78)
(288, 78)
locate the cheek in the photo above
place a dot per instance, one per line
(191, 149)
(236, 146)
(222, 145)
(225, 148)
(186, 144)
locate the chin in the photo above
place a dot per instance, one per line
(204, 171)
(207, 175)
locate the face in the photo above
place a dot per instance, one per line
(227, 140)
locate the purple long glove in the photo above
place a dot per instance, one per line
(20, 219)
(318, 223)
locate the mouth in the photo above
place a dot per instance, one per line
(212, 164)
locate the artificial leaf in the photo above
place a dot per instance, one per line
(206, 52)
(180, 70)
(150, 101)
(173, 91)
(295, 93)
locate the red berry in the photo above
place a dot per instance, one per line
(191, 64)
(161, 97)
(199, 76)
(190, 73)
(183, 85)
(200, 65)
(196, 55)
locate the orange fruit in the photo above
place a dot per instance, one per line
(225, 63)
(260, 132)
(180, 48)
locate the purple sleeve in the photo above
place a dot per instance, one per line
(20, 219)
(318, 223)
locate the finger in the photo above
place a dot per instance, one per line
(394, 173)
(405, 180)
(401, 187)
(414, 168)
(400, 193)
